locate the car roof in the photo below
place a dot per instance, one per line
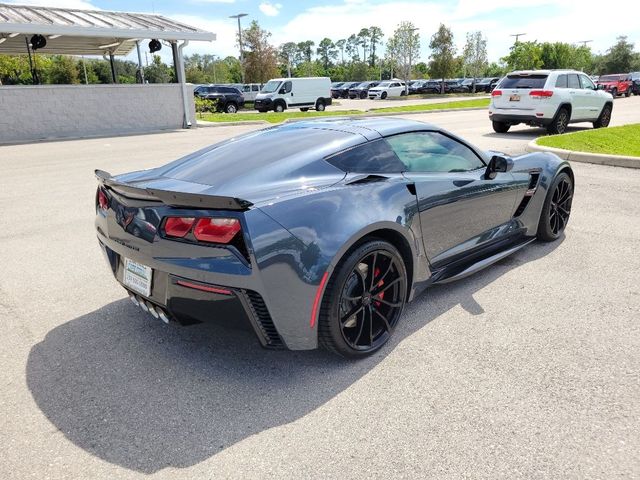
(369, 127)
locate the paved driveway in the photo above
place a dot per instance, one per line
(529, 369)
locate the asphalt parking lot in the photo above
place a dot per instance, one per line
(529, 369)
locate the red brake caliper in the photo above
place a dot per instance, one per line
(376, 272)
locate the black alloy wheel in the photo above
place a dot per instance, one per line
(604, 118)
(364, 300)
(556, 209)
(560, 123)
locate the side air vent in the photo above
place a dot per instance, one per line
(263, 320)
(531, 189)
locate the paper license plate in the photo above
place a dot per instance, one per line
(137, 277)
(514, 98)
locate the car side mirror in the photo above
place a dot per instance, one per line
(282, 92)
(498, 164)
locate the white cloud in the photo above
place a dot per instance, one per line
(270, 9)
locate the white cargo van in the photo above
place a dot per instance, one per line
(303, 93)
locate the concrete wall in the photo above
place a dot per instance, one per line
(29, 113)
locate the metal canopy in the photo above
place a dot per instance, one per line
(73, 31)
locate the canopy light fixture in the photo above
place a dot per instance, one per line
(154, 46)
(11, 35)
(53, 37)
(3, 39)
(109, 45)
(38, 41)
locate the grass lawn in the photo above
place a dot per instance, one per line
(273, 117)
(615, 140)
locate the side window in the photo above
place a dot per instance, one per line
(433, 152)
(573, 80)
(286, 87)
(561, 82)
(255, 88)
(246, 88)
(587, 83)
(371, 157)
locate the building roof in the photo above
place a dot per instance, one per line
(74, 31)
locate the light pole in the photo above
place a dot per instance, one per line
(517, 35)
(239, 16)
(584, 42)
(406, 80)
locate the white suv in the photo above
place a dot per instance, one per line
(548, 98)
(391, 88)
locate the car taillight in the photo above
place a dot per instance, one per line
(103, 201)
(496, 93)
(216, 230)
(541, 93)
(178, 226)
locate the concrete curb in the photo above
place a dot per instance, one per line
(584, 157)
(204, 123)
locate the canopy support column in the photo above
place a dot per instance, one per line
(140, 75)
(178, 64)
(114, 77)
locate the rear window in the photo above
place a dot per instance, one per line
(230, 159)
(524, 81)
(372, 157)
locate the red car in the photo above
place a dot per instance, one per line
(617, 84)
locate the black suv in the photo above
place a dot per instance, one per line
(362, 90)
(343, 90)
(229, 99)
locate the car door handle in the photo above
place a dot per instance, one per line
(572, 91)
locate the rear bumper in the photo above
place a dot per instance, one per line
(514, 119)
(189, 301)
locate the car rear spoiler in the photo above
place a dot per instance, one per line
(173, 199)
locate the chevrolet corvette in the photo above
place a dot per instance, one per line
(318, 233)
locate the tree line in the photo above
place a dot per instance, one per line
(366, 54)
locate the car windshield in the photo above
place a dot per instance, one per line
(271, 86)
(384, 84)
(524, 81)
(609, 78)
(336, 84)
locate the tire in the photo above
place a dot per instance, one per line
(614, 92)
(604, 118)
(383, 95)
(279, 107)
(231, 108)
(556, 209)
(353, 322)
(627, 93)
(363, 95)
(320, 106)
(500, 127)
(559, 124)
(403, 93)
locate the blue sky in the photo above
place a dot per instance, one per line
(290, 20)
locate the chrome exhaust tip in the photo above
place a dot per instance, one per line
(152, 310)
(143, 305)
(163, 316)
(133, 299)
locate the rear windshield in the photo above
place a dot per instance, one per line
(524, 81)
(230, 159)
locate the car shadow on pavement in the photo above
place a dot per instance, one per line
(147, 396)
(531, 133)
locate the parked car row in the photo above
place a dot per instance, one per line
(455, 85)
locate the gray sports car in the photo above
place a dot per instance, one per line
(319, 232)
